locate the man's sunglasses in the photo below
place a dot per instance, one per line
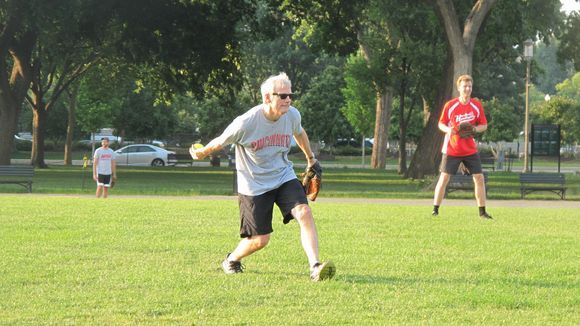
(283, 95)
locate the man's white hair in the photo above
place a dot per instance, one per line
(272, 81)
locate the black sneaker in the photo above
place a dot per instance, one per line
(486, 216)
(232, 267)
(435, 213)
(322, 271)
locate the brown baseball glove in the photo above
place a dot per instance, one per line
(466, 130)
(312, 180)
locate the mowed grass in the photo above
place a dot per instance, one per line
(337, 182)
(78, 260)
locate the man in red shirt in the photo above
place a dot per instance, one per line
(457, 150)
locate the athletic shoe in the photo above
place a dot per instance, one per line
(486, 216)
(435, 213)
(232, 267)
(322, 271)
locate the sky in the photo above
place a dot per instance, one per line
(570, 5)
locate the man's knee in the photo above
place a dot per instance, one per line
(478, 178)
(444, 178)
(302, 212)
(260, 241)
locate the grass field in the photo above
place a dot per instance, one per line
(337, 182)
(68, 260)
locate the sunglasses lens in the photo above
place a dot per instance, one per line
(283, 96)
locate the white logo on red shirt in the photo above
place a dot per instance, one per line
(464, 117)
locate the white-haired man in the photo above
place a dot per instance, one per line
(262, 138)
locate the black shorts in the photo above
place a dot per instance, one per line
(104, 180)
(256, 211)
(450, 164)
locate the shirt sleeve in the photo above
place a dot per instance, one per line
(232, 134)
(482, 119)
(444, 119)
(296, 121)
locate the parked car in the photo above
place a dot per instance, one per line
(18, 138)
(145, 155)
(356, 143)
(158, 143)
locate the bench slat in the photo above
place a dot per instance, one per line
(554, 182)
(463, 182)
(15, 174)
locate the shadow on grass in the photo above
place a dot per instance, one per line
(517, 282)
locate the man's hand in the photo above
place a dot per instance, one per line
(466, 130)
(196, 152)
(95, 177)
(311, 161)
(312, 180)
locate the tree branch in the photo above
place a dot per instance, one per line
(474, 20)
(448, 17)
(63, 83)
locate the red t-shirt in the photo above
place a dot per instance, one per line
(454, 113)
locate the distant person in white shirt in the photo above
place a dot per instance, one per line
(104, 168)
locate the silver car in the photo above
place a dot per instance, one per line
(145, 155)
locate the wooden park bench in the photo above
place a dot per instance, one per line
(17, 174)
(553, 182)
(184, 158)
(488, 163)
(463, 182)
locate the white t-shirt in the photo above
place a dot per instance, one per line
(262, 148)
(105, 156)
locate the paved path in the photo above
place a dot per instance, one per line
(378, 201)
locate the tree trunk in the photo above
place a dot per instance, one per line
(426, 159)
(38, 132)
(403, 121)
(460, 45)
(70, 128)
(14, 81)
(8, 123)
(426, 111)
(402, 131)
(382, 124)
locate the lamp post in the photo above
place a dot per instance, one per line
(528, 54)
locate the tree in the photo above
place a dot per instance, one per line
(43, 44)
(17, 40)
(344, 28)
(548, 70)
(570, 88)
(54, 68)
(563, 111)
(460, 44)
(502, 29)
(320, 107)
(505, 121)
(570, 41)
(359, 96)
(163, 36)
(118, 99)
(72, 102)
